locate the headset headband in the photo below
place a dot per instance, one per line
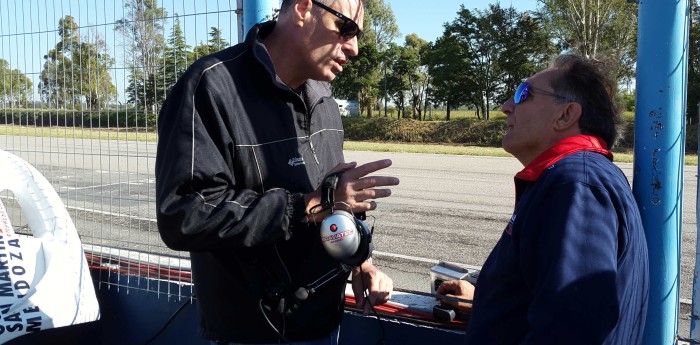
(328, 190)
(328, 194)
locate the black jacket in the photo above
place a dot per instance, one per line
(237, 149)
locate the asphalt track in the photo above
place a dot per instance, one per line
(447, 207)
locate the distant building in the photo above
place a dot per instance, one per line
(348, 107)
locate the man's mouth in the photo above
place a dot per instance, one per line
(339, 64)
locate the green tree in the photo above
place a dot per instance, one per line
(176, 58)
(527, 48)
(362, 75)
(136, 92)
(76, 72)
(475, 33)
(92, 82)
(55, 80)
(15, 87)
(416, 71)
(380, 23)
(605, 31)
(142, 31)
(447, 62)
(503, 46)
(395, 80)
(215, 43)
(361, 78)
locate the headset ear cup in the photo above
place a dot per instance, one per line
(365, 249)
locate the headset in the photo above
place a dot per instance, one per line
(345, 236)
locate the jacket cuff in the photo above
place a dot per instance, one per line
(296, 210)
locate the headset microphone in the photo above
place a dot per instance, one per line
(345, 237)
(301, 294)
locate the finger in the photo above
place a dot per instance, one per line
(380, 291)
(344, 167)
(447, 287)
(364, 206)
(378, 298)
(374, 181)
(359, 299)
(383, 296)
(372, 205)
(358, 288)
(450, 302)
(368, 168)
(366, 194)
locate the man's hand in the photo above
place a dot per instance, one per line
(354, 188)
(457, 288)
(358, 191)
(368, 277)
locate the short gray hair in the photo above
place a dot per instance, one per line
(287, 3)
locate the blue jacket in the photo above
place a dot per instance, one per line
(571, 266)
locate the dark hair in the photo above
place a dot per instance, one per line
(285, 4)
(582, 81)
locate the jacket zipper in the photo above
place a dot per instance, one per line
(308, 135)
(308, 131)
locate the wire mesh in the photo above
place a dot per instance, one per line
(80, 86)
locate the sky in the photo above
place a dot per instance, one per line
(28, 27)
(412, 16)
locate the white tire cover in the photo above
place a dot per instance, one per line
(44, 280)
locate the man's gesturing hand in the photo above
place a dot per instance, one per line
(359, 191)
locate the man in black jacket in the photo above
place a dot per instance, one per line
(246, 137)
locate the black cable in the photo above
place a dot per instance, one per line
(381, 340)
(172, 317)
(280, 335)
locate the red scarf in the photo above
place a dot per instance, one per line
(560, 150)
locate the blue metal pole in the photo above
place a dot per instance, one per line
(662, 69)
(257, 11)
(695, 311)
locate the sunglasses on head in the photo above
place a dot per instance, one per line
(524, 89)
(348, 29)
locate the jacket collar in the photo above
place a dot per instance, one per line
(560, 150)
(313, 90)
(254, 42)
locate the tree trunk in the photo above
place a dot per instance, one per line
(487, 114)
(448, 111)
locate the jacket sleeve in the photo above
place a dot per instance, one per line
(198, 204)
(570, 261)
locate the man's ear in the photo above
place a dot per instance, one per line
(569, 117)
(301, 10)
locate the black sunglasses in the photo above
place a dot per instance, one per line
(525, 89)
(348, 29)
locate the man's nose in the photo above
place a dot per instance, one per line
(350, 47)
(507, 106)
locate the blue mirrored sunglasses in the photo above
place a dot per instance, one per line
(524, 89)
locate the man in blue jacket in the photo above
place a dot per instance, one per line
(571, 266)
(246, 138)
